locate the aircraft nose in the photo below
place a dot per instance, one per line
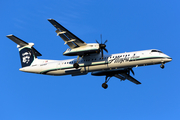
(170, 59)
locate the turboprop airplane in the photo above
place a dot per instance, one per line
(90, 58)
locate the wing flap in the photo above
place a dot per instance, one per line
(130, 78)
(66, 35)
(61, 34)
(119, 76)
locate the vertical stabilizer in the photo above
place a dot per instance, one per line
(26, 50)
(26, 55)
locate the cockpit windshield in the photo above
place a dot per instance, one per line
(156, 51)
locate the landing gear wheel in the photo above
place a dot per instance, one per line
(104, 85)
(162, 66)
(76, 65)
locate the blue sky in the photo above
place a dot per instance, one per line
(127, 25)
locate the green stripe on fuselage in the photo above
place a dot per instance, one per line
(96, 63)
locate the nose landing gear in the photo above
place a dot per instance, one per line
(162, 65)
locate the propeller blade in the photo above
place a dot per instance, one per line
(105, 41)
(97, 41)
(102, 46)
(102, 53)
(106, 50)
(101, 38)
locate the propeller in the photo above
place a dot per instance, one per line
(102, 46)
(130, 70)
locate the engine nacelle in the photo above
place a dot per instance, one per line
(83, 50)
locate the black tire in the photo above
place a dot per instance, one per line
(162, 66)
(76, 65)
(104, 85)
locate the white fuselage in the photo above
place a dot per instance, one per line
(94, 62)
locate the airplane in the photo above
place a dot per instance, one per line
(90, 58)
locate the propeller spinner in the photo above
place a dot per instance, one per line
(102, 46)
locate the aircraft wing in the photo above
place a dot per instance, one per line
(69, 38)
(119, 76)
(128, 77)
(22, 43)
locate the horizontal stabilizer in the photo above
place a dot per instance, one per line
(22, 43)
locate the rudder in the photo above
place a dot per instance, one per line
(26, 56)
(26, 50)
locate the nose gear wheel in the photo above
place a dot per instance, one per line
(162, 65)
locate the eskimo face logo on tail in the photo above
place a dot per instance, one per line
(26, 56)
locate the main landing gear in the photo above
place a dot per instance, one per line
(104, 85)
(76, 65)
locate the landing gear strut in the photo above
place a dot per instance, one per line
(162, 65)
(104, 85)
